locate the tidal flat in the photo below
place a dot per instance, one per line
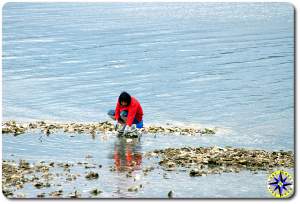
(78, 164)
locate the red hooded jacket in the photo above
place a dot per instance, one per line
(134, 110)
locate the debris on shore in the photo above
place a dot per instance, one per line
(55, 194)
(135, 188)
(92, 175)
(170, 194)
(14, 128)
(75, 194)
(48, 128)
(213, 160)
(41, 175)
(179, 130)
(200, 161)
(95, 192)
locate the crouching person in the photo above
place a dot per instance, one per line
(128, 112)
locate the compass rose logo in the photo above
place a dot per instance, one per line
(280, 184)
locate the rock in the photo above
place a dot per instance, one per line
(41, 185)
(76, 194)
(89, 166)
(215, 160)
(56, 193)
(148, 169)
(48, 128)
(41, 195)
(92, 175)
(13, 127)
(24, 165)
(170, 194)
(133, 188)
(66, 166)
(19, 186)
(20, 195)
(243, 161)
(71, 178)
(41, 168)
(95, 192)
(208, 131)
(170, 164)
(32, 126)
(5, 130)
(47, 131)
(194, 172)
(129, 174)
(7, 193)
(71, 129)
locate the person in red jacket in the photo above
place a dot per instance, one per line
(128, 111)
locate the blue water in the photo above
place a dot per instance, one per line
(225, 65)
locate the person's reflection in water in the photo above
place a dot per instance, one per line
(127, 154)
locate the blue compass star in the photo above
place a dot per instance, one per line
(280, 184)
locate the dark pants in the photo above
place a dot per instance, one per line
(123, 115)
(123, 118)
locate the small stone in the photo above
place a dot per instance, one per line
(89, 166)
(24, 165)
(95, 192)
(56, 193)
(38, 185)
(47, 131)
(92, 175)
(41, 195)
(7, 193)
(194, 172)
(133, 188)
(170, 194)
(76, 194)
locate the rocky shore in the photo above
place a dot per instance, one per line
(53, 179)
(93, 128)
(214, 160)
(200, 161)
(18, 175)
(43, 175)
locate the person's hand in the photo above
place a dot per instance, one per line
(127, 129)
(116, 124)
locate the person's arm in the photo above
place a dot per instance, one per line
(117, 112)
(131, 114)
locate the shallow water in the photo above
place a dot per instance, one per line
(111, 151)
(222, 65)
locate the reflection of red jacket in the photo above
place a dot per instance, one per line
(131, 159)
(134, 110)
